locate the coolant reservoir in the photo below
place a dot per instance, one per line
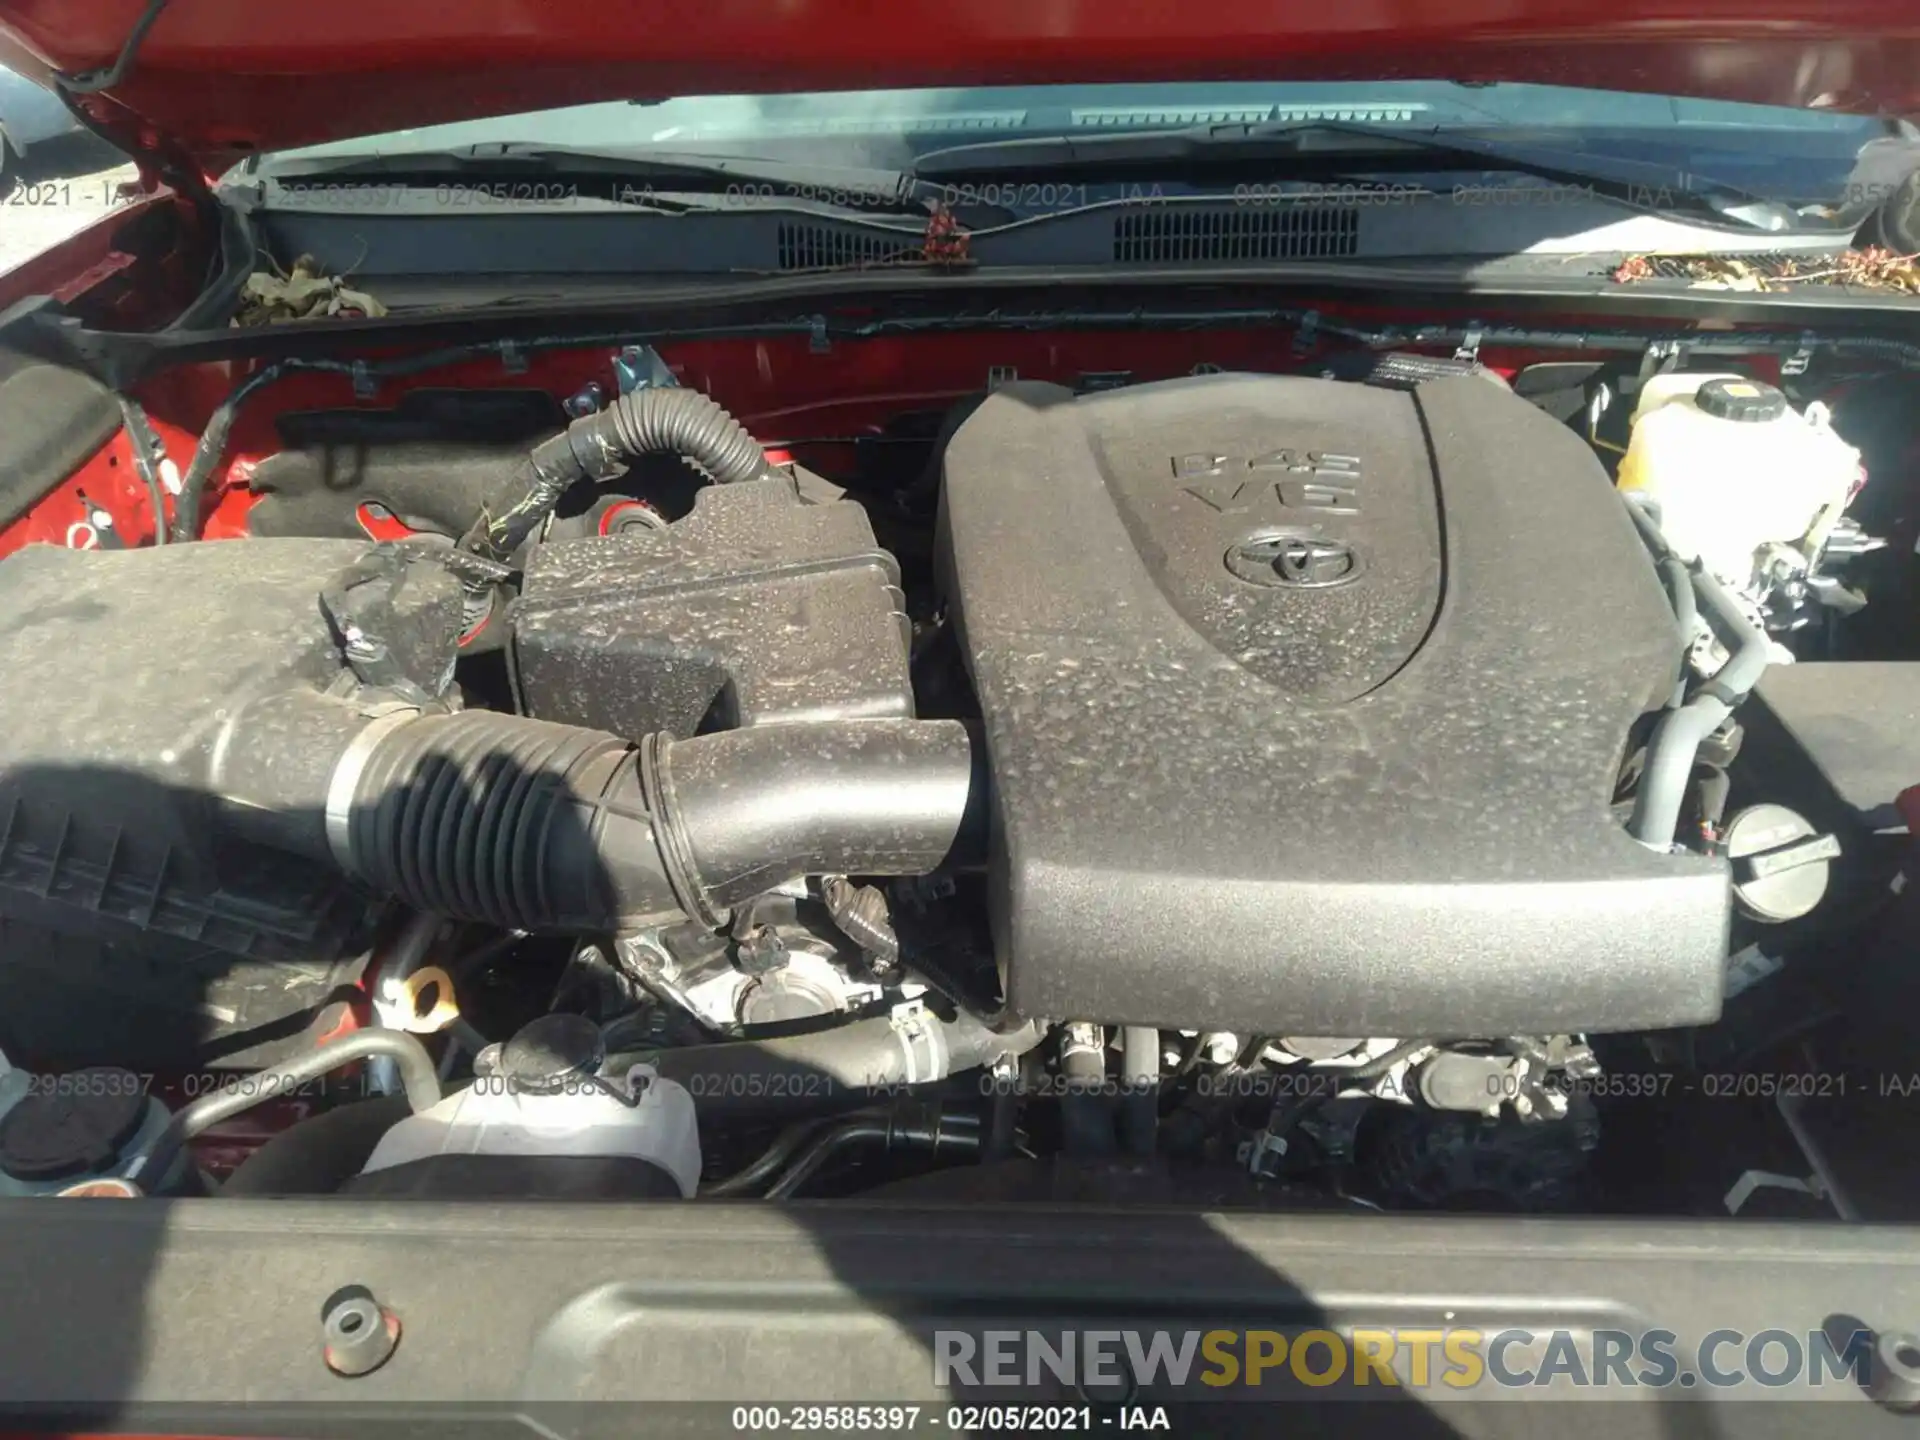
(543, 1096)
(1733, 467)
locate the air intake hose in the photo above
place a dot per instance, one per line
(533, 826)
(600, 446)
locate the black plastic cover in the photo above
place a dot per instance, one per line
(155, 1003)
(119, 675)
(1855, 724)
(54, 418)
(519, 1177)
(1305, 704)
(755, 607)
(587, 1320)
(434, 486)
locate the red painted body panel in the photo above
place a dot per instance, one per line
(222, 77)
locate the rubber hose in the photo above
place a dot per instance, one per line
(772, 1161)
(824, 1070)
(645, 422)
(1140, 1088)
(936, 1131)
(531, 826)
(1086, 1105)
(1287, 1113)
(598, 447)
(212, 448)
(140, 439)
(528, 825)
(1677, 736)
(501, 819)
(1686, 613)
(1376, 1067)
(756, 807)
(417, 1078)
(406, 952)
(1714, 786)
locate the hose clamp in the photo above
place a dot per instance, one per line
(923, 1047)
(345, 782)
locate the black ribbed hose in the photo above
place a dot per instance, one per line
(600, 446)
(646, 422)
(550, 829)
(520, 824)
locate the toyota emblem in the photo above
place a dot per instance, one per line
(1294, 562)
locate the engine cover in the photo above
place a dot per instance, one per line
(1305, 703)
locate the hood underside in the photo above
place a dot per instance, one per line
(222, 78)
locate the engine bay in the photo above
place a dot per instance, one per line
(1202, 766)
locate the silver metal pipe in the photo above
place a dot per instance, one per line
(417, 1078)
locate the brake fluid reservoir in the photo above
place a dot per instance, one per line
(1733, 467)
(59, 1131)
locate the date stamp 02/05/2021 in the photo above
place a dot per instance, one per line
(1272, 1084)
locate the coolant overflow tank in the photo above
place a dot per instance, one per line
(543, 1119)
(1733, 466)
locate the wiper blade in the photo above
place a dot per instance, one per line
(1307, 149)
(631, 174)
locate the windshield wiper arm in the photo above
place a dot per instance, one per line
(752, 178)
(1309, 148)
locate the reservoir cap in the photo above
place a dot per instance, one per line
(1748, 401)
(551, 1054)
(1780, 862)
(76, 1124)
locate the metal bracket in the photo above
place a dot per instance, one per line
(1262, 1154)
(1743, 1188)
(1469, 347)
(587, 400)
(1797, 363)
(998, 375)
(1306, 334)
(512, 358)
(1658, 358)
(818, 342)
(639, 367)
(365, 386)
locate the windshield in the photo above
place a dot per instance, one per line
(1787, 154)
(921, 117)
